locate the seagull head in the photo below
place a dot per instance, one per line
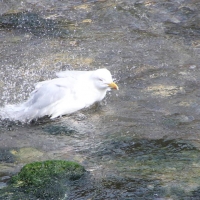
(103, 79)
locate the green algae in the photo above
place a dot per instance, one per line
(44, 180)
(39, 173)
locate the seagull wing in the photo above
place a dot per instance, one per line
(73, 74)
(49, 92)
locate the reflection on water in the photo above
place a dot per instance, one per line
(143, 141)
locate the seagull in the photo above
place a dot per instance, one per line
(70, 92)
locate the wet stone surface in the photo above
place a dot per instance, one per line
(58, 130)
(143, 141)
(157, 161)
(6, 156)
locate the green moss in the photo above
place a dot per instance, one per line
(46, 180)
(39, 173)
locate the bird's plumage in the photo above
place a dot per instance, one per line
(70, 92)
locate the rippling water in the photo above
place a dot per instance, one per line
(143, 141)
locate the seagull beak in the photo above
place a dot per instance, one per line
(113, 86)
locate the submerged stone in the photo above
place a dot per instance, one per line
(59, 130)
(44, 180)
(175, 120)
(32, 23)
(161, 167)
(6, 156)
(27, 154)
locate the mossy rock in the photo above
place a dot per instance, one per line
(45, 180)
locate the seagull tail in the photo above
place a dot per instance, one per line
(18, 112)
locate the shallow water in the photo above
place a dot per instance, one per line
(142, 142)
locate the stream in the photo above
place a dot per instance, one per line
(142, 141)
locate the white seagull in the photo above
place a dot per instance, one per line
(70, 92)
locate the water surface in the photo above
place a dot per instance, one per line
(142, 142)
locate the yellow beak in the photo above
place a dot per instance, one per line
(113, 86)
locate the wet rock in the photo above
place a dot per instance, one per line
(59, 130)
(4, 178)
(128, 148)
(6, 156)
(3, 181)
(43, 180)
(8, 169)
(27, 154)
(32, 23)
(132, 188)
(159, 162)
(2, 185)
(164, 90)
(176, 119)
